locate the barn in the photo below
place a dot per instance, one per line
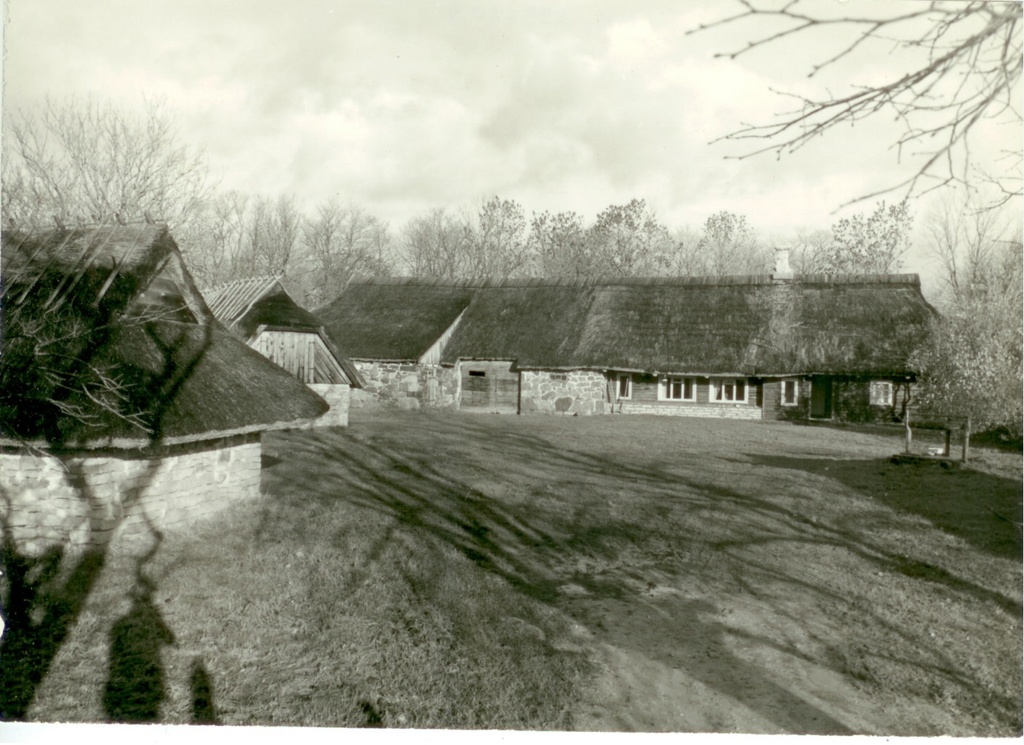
(758, 347)
(125, 407)
(394, 331)
(262, 313)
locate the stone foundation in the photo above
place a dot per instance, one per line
(87, 499)
(711, 411)
(406, 385)
(577, 392)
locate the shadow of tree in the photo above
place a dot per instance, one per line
(40, 609)
(533, 546)
(978, 507)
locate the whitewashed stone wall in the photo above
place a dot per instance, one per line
(405, 385)
(716, 411)
(581, 392)
(339, 397)
(87, 500)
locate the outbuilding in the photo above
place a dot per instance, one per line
(124, 405)
(263, 314)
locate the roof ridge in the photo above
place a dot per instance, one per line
(706, 280)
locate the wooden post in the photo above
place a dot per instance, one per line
(949, 433)
(906, 426)
(967, 440)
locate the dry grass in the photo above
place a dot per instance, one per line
(480, 571)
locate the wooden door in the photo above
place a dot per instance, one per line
(821, 397)
(490, 386)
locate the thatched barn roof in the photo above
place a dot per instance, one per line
(856, 325)
(395, 320)
(536, 324)
(107, 342)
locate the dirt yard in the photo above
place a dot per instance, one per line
(608, 573)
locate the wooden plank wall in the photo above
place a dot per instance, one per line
(302, 354)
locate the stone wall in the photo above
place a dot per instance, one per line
(88, 499)
(338, 395)
(405, 385)
(581, 392)
(674, 408)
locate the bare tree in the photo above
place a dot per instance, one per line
(437, 244)
(559, 245)
(971, 366)
(967, 71)
(729, 245)
(978, 250)
(83, 160)
(213, 242)
(342, 242)
(273, 232)
(867, 244)
(498, 240)
(628, 240)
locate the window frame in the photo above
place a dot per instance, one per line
(718, 387)
(889, 399)
(619, 395)
(665, 388)
(796, 392)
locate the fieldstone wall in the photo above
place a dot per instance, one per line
(87, 500)
(581, 392)
(339, 397)
(405, 385)
(673, 408)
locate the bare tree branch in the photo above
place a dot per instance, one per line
(969, 73)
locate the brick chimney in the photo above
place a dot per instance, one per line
(782, 269)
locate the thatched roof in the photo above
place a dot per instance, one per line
(395, 320)
(857, 325)
(245, 304)
(107, 342)
(538, 325)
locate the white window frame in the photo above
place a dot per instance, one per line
(665, 388)
(718, 387)
(619, 395)
(796, 392)
(873, 386)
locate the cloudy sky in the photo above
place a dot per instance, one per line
(404, 106)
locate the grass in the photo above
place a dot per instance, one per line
(468, 571)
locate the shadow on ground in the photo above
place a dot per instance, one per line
(543, 516)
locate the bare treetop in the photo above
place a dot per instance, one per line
(967, 71)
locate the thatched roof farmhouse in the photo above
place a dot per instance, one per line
(803, 346)
(262, 312)
(120, 394)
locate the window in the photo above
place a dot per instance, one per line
(477, 374)
(625, 387)
(678, 389)
(789, 393)
(729, 391)
(880, 393)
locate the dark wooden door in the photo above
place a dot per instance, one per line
(821, 397)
